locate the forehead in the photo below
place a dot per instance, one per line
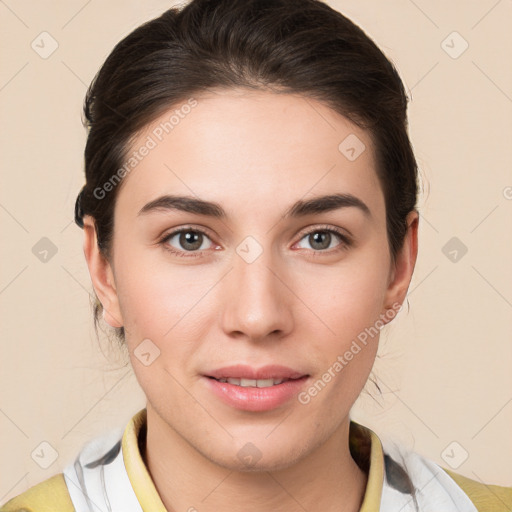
(251, 148)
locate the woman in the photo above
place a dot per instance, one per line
(252, 325)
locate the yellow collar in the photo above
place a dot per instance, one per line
(150, 500)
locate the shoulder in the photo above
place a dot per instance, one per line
(413, 482)
(47, 496)
(67, 491)
(492, 498)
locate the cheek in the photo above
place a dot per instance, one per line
(350, 298)
(155, 294)
(344, 353)
(160, 319)
(344, 333)
(166, 305)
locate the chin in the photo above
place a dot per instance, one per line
(255, 457)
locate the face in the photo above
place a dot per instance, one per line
(261, 277)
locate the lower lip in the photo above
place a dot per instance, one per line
(256, 399)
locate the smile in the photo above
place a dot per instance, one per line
(254, 383)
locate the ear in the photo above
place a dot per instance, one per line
(403, 267)
(101, 274)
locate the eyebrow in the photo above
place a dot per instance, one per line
(301, 208)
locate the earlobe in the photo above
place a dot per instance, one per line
(404, 264)
(102, 276)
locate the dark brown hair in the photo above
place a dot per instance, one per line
(283, 46)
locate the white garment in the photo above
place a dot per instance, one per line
(98, 482)
(436, 491)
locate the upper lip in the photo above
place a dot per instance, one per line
(242, 371)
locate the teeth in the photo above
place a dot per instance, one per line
(260, 383)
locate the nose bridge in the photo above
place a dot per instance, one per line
(259, 302)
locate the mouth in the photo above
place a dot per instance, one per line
(255, 383)
(257, 390)
(247, 376)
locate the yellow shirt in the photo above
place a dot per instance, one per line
(53, 494)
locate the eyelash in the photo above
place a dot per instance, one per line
(346, 242)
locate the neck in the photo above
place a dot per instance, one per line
(327, 479)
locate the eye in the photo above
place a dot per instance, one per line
(191, 242)
(322, 238)
(186, 240)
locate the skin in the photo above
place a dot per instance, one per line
(254, 153)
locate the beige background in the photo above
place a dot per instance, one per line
(445, 369)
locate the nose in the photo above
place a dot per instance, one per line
(258, 298)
